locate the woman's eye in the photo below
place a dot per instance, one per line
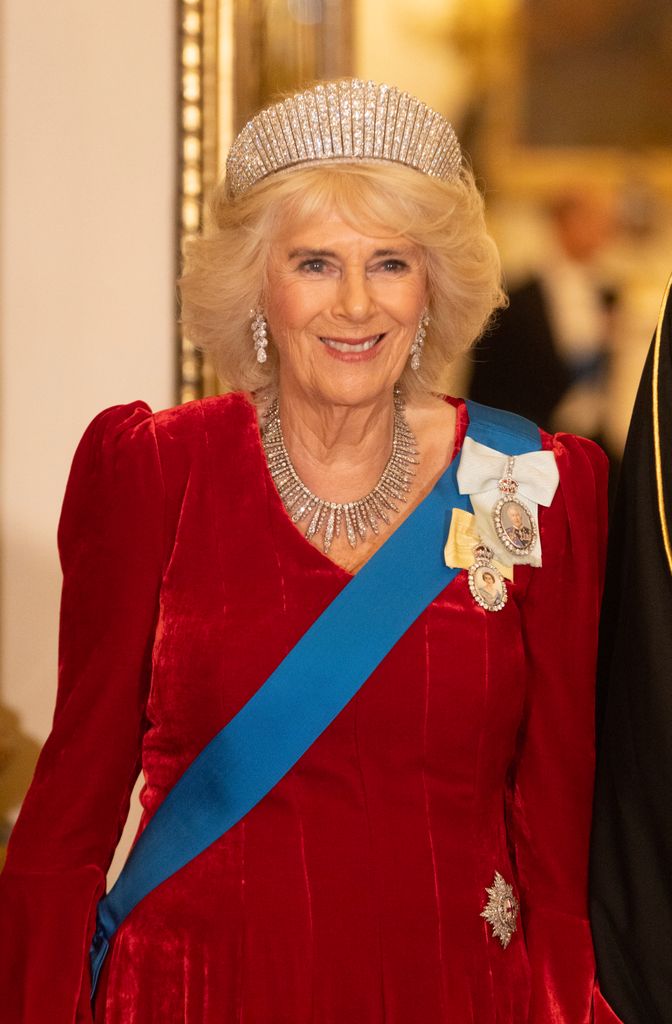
(313, 266)
(393, 266)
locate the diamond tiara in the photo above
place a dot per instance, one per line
(343, 121)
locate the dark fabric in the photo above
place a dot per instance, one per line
(353, 892)
(631, 868)
(516, 364)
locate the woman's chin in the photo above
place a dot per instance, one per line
(354, 388)
(354, 381)
(324, 378)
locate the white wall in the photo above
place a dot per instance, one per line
(86, 278)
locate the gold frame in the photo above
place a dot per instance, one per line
(518, 169)
(230, 65)
(205, 126)
(662, 512)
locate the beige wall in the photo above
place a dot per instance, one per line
(86, 284)
(408, 44)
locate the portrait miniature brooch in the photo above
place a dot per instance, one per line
(486, 582)
(501, 911)
(506, 492)
(465, 550)
(514, 522)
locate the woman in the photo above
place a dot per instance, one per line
(382, 875)
(489, 590)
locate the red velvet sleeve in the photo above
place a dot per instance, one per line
(111, 547)
(552, 794)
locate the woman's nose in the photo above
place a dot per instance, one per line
(354, 299)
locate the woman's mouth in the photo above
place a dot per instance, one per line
(352, 346)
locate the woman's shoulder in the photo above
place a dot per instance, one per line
(572, 451)
(134, 424)
(580, 494)
(580, 502)
(229, 409)
(575, 454)
(188, 436)
(133, 457)
(130, 441)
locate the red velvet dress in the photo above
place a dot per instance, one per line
(352, 894)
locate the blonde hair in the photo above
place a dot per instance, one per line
(224, 275)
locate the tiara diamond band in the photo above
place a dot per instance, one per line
(347, 120)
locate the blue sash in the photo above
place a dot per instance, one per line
(307, 690)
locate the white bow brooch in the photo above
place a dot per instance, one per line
(506, 492)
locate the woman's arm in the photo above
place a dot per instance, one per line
(111, 542)
(553, 783)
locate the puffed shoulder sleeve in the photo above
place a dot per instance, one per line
(111, 547)
(553, 782)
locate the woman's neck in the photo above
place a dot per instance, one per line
(340, 451)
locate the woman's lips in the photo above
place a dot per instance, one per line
(353, 350)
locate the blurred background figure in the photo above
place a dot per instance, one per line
(548, 355)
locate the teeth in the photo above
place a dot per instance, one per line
(342, 346)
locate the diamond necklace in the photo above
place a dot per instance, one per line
(329, 517)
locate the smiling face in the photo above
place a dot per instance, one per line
(343, 309)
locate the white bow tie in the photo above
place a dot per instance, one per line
(478, 474)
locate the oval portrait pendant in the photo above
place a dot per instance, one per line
(514, 523)
(486, 582)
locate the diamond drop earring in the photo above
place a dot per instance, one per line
(259, 329)
(419, 341)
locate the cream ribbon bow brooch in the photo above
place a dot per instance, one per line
(505, 493)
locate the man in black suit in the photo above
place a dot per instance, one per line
(631, 861)
(546, 356)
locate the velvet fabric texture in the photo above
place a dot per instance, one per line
(353, 892)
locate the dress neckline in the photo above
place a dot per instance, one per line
(277, 506)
